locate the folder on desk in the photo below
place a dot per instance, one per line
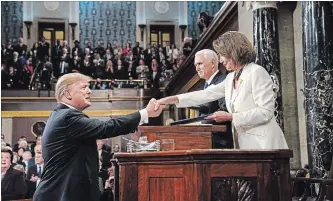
(188, 121)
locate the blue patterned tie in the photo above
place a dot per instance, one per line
(206, 85)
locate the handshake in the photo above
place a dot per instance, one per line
(155, 107)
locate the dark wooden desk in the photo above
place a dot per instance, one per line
(205, 175)
(186, 137)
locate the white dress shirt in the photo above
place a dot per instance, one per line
(212, 77)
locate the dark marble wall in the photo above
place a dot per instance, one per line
(318, 80)
(107, 21)
(196, 7)
(266, 43)
(11, 21)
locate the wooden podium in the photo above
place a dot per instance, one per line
(185, 137)
(204, 175)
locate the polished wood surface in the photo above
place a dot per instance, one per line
(185, 137)
(203, 175)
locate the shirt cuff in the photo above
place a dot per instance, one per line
(144, 116)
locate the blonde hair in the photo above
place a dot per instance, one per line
(236, 46)
(66, 81)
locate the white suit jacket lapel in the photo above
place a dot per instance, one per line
(229, 88)
(243, 77)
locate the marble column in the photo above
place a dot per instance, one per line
(266, 43)
(317, 21)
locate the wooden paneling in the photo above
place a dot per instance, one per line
(198, 140)
(167, 189)
(233, 169)
(129, 176)
(208, 175)
(185, 137)
(159, 182)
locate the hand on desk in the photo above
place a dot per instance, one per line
(220, 116)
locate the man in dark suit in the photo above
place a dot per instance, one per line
(56, 52)
(69, 142)
(34, 174)
(206, 63)
(43, 49)
(136, 50)
(103, 155)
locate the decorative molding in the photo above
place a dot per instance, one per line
(183, 28)
(46, 113)
(262, 4)
(275, 168)
(225, 189)
(51, 5)
(142, 29)
(28, 25)
(73, 25)
(161, 7)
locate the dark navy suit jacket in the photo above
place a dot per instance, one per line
(70, 153)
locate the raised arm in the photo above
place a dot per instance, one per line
(82, 127)
(212, 93)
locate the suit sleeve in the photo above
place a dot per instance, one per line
(263, 96)
(29, 173)
(212, 93)
(82, 127)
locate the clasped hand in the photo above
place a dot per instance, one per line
(152, 110)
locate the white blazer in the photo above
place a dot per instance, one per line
(251, 104)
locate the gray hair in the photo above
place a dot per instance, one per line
(209, 54)
(66, 81)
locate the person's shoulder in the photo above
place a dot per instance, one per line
(257, 69)
(15, 172)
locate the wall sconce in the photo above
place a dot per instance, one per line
(28, 25)
(73, 25)
(183, 28)
(142, 28)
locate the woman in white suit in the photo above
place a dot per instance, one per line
(248, 92)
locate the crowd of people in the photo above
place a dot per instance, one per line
(22, 166)
(24, 67)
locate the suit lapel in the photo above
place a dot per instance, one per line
(215, 78)
(229, 88)
(243, 77)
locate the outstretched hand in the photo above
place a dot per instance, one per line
(220, 116)
(165, 101)
(151, 108)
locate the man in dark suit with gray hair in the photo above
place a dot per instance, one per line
(69, 145)
(206, 64)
